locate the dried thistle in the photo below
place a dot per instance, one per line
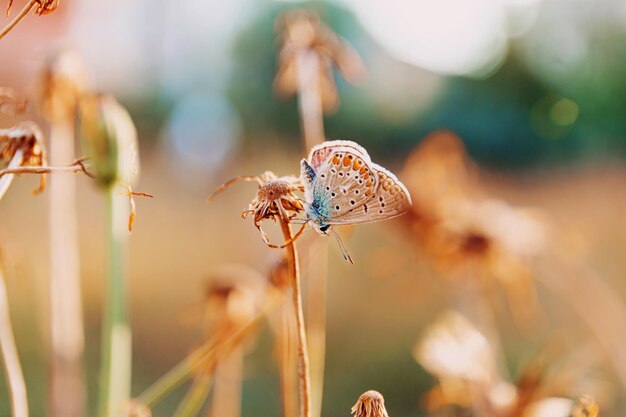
(21, 145)
(370, 404)
(42, 7)
(302, 31)
(275, 200)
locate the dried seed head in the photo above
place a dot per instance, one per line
(586, 406)
(301, 31)
(22, 145)
(110, 140)
(62, 82)
(235, 294)
(370, 404)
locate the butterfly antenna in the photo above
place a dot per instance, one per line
(344, 250)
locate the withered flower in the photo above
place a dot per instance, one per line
(370, 404)
(467, 234)
(62, 83)
(464, 362)
(109, 137)
(21, 145)
(275, 199)
(235, 294)
(302, 32)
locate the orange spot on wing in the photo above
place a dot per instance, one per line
(368, 184)
(368, 193)
(357, 165)
(363, 170)
(346, 161)
(335, 160)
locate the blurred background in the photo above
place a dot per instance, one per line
(535, 89)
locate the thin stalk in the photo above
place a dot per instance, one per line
(227, 389)
(6, 180)
(12, 368)
(116, 334)
(18, 18)
(287, 361)
(67, 379)
(309, 100)
(317, 272)
(312, 123)
(196, 396)
(302, 351)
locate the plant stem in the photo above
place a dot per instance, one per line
(317, 272)
(196, 396)
(285, 340)
(310, 102)
(227, 389)
(12, 368)
(302, 351)
(17, 18)
(312, 123)
(6, 180)
(67, 384)
(116, 335)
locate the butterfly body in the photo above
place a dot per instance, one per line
(343, 186)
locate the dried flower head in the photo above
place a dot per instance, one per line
(62, 82)
(464, 362)
(275, 200)
(301, 31)
(465, 233)
(110, 140)
(370, 404)
(21, 145)
(235, 294)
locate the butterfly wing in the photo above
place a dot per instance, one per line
(344, 181)
(389, 200)
(319, 154)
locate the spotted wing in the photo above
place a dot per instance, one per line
(344, 181)
(390, 199)
(320, 153)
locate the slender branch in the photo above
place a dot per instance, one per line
(12, 368)
(18, 18)
(76, 167)
(302, 351)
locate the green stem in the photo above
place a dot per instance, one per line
(115, 371)
(195, 398)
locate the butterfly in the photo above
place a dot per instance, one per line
(343, 186)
